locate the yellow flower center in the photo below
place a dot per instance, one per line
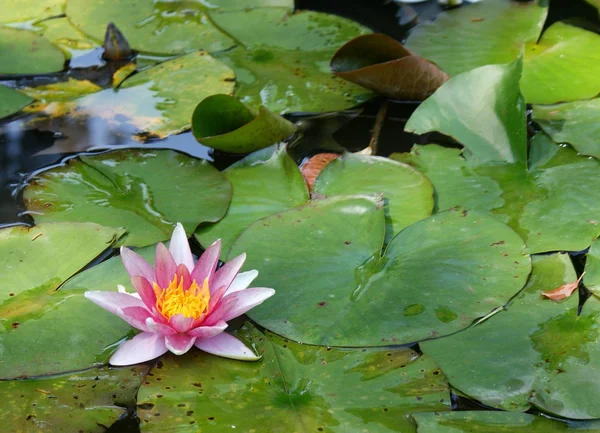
(175, 300)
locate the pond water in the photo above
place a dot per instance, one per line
(32, 143)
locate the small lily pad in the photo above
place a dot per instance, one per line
(563, 66)
(264, 183)
(25, 53)
(88, 401)
(554, 354)
(47, 254)
(12, 102)
(591, 278)
(382, 64)
(293, 388)
(225, 124)
(576, 123)
(62, 90)
(127, 188)
(489, 32)
(408, 194)
(435, 277)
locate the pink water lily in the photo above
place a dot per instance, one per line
(180, 304)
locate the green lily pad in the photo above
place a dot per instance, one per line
(62, 90)
(294, 388)
(591, 278)
(482, 109)
(12, 102)
(284, 61)
(87, 401)
(407, 193)
(47, 254)
(485, 33)
(165, 27)
(23, 52)
(554, 355)
(324, 261)
(21, 11)
(225, 124)
(493, 422)
(61, 33)
(576, 123)
(563, 66)
(554, 205)
(47, 332)
(127, 188)
(158, 101)
(595, 3)
(264, 183)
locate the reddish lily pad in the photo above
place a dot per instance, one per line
(293, 388)
(383, 65)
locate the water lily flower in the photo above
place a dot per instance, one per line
(180, 303)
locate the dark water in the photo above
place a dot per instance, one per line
(25, 150)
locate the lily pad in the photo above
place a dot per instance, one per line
(283, 64)
(62, 90)
(485, 33)
(87, 401)
(12, 102)
(435, 278)
(576, 123)
(127, 188)
(591, 278)
(554, 351)
(563, 66)
(225, 124)
(47, 254)
(294, 388)
(165, 27)
(61, 33)
(22, 11)
(264, 183)
(493, 422)
(23, 52)
(382, 64)
(160, 100)
(408, 194)
(482, 109)
(554, 205)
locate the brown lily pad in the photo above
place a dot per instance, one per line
(382, 64)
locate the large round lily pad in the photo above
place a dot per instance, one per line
(563, 66)
(23, 52)
(12, 102)
(537, 353)
(324, 261)
(554, 204)
(127, 188)
(408, 194)
(264, 183)
(293, 388)
(576, 123)
(43, 257)
(165, 27)
(88, 401)
(485, 33)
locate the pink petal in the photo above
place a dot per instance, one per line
(183, 273)
(180, 323)
(136, 265)
(136, 317)
(165, 266)
(216, 297)
(180, 248)
(242, 281)
(227, 346)
(159, 328)
(145, 290)
(179, 343)
(208, 331)
(247, 299)
(220, 311)
(226, 274)
(143, 347)
(113, 302)
(207, 263)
